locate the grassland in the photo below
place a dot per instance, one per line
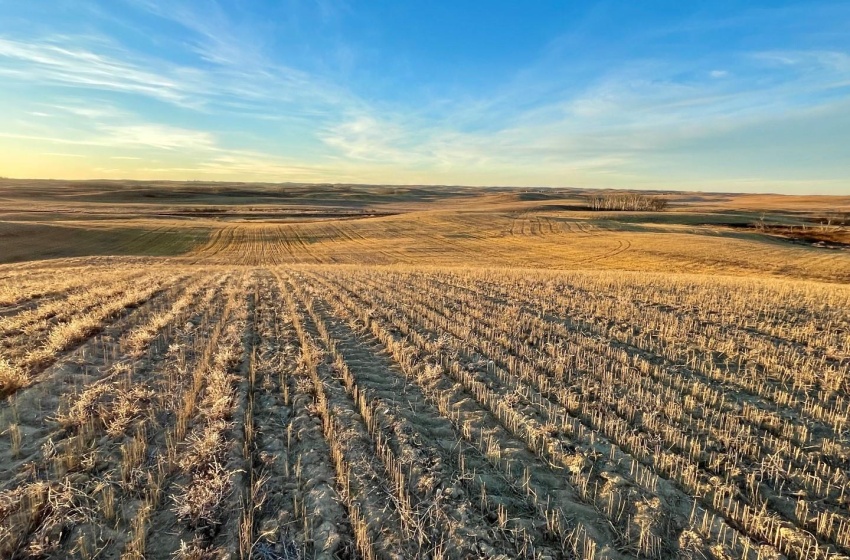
(249, 371)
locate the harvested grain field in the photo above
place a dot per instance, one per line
(425, 398)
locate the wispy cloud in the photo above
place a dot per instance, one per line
(46, 62)
(213, 37)
(240, 68)
(238, 83)
(63, 154)
(614, 127)
(235, 163)
(157, 136)
(149, 136)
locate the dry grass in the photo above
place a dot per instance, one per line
(458, 404)
(12, 378)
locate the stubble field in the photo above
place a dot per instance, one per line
(311, 394)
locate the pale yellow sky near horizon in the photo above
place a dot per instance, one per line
(19, 161)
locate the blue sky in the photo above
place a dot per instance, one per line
(736, 96)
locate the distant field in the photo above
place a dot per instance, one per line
(256, 224)
(415, 372)
(26, 241)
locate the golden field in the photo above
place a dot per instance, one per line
(300, 371)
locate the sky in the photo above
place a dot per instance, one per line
(699, 95)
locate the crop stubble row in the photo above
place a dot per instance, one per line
(355, 412)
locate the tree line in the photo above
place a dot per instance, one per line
(628, 201)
